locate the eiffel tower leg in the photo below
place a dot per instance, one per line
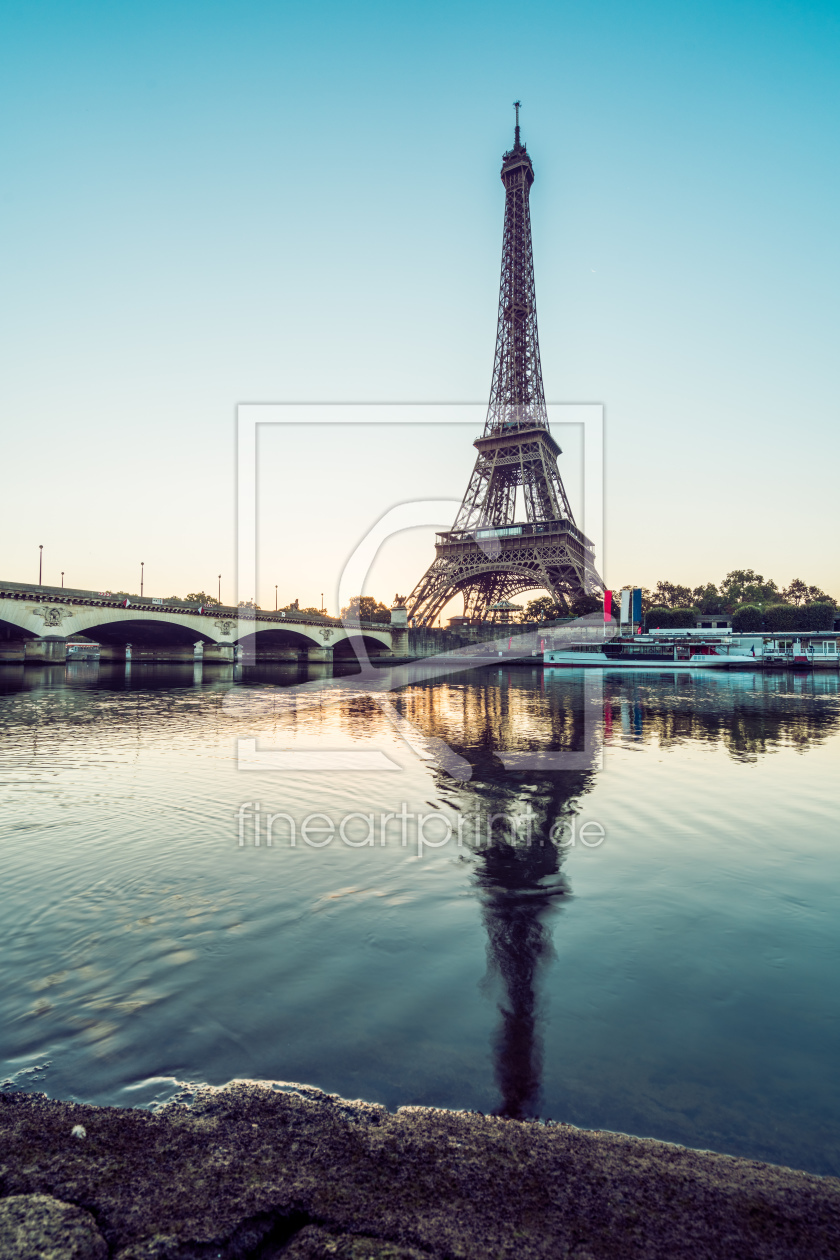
(431, 593)
(484, 594)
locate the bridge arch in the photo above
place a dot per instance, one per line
(280, 643)
(145, 631)
(353, 645)
(265, 637)
(13, 630)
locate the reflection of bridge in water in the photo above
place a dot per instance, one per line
(37, 621)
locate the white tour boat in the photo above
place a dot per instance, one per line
(649, 652)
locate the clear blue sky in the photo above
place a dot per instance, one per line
(212, 203)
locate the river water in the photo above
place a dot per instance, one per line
(640, 936)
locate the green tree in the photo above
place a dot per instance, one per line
(583, 605)
(201, 597)
(820, 615)
(744, 586)
(816, 596)
(295, 607)
(783, 617)
(365, 608)
(707, 598)
(670, 595)
(797, 592)
(815, 616)
(541, 609)
(670, 619)
(747, 617)
(800, 593)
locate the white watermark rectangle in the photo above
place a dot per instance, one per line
(429, 512)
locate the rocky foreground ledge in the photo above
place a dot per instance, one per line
(253, 1172)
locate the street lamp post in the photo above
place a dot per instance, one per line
(323, 609)
(141, 578)
(220, 588)
(40, 562)
(275, 597)
(62, 579)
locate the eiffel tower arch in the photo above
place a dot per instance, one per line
(488, 555)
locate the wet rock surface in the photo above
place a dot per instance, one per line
(37, 1225)
(251, 1172)
(313, 1243)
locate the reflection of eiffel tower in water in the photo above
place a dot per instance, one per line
(488, 556)
(521, 888)
(519, 875)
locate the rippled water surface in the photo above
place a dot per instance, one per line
(677, 979)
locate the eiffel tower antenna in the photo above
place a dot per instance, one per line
(488, 555)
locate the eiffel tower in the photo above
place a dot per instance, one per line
(487, 555)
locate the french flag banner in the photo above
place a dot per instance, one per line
(637, 604)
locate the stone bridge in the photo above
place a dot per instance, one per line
(37, 621)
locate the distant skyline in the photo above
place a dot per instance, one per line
(207, 206)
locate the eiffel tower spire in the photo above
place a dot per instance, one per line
(516, 391)
(486, 555)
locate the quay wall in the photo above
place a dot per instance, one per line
(253, 1171)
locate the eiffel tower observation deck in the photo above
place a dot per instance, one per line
(489, 555)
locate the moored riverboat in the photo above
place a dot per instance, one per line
(807, 651)
(649, 652)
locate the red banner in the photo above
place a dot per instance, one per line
(607, 605)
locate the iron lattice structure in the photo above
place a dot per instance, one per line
(487, 556)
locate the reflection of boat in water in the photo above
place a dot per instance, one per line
(649, 652)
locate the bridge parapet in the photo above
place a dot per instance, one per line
(146, 603)
(29, 612)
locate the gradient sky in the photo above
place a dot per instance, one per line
(206, 204)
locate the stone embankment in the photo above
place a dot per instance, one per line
(251, 1171)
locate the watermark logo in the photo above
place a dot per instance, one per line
(383, 685)
(264, 828)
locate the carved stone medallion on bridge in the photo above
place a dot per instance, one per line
(326, 634)
(226, 627)
(52, 616)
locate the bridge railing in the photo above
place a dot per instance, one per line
(146, 603)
